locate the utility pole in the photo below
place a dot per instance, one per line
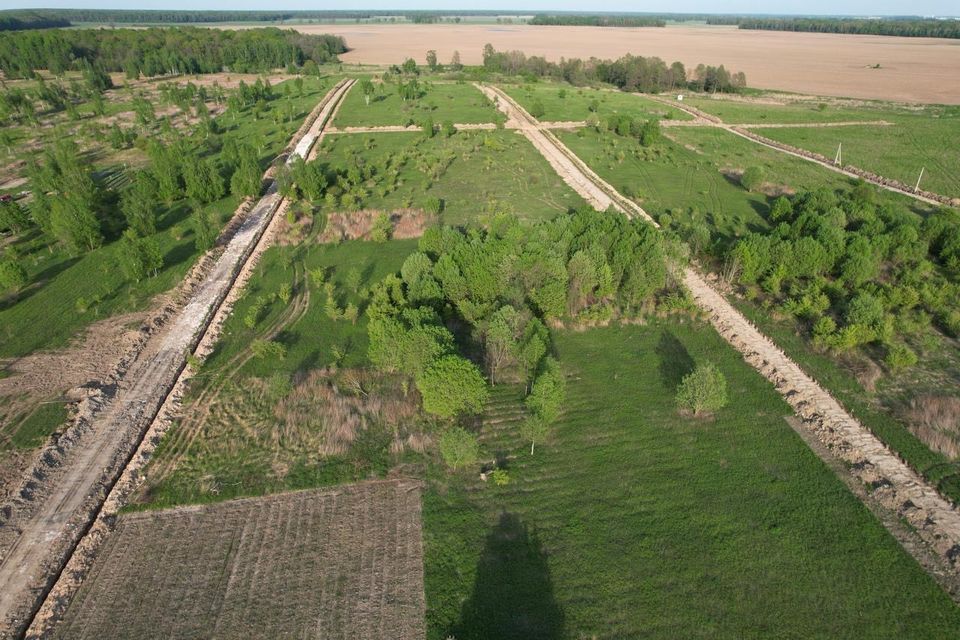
(917, 186)
(837, 160)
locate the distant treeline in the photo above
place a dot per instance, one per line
(19, 20)
(629, 73)
(597, 21)
(161, 16)
(153, 52)
(910, 27)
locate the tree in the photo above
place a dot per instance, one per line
(448, 128)
(139, 257)
(205, 233)
(535, 430)
(452, 385)
(366, 86)
(537, 109)
(138, 204)
(650, 132)
(246, 179)
(382, 228)
(202, 181)
(13, 276)
(752, 178)
(432, 60)
(459, 448)
(548, 392)
(455, 63)
(13, 217)
(702, 391)
(427, 126)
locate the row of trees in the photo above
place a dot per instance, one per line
(910, 27)
(597, 21)
(629, 73)
(854, 271)
(152, 52)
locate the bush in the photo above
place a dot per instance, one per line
(268, 349)
(459, 448)
(452, 385)
(752, 178)
(537, 109)
(899, 357)
(703, 391)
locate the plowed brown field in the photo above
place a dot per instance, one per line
(911, 69)
(336, 563)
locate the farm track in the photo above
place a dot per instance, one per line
(64, 495)
(892, 483)
(701, 118)
(475, 126)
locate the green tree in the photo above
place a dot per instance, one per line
(534, 430)
(246, 179)
(752, 178)
(368, 90)
(382, 228)
(203, 183)
(13, 217)
(704, 390)
(268, 350)
(537, 109)
(205, 232)
(139, 204)
(139, 257)
(13, 276)
(432, 60)
(459, 448)
(452, 385)
(548, 392)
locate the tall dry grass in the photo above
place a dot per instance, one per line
(935, 419)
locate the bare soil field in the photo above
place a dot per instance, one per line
(335, 563)
(911, 69)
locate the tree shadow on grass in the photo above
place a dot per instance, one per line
(674, 360)
(513, 594)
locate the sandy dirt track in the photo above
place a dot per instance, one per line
(895, 486)
(38, 533)
(912, 69)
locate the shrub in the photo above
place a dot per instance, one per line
(452, 385)
(537, 109)
(459, 448)
(703, 391)
(752, 178)
(268, 349)
(900, 356)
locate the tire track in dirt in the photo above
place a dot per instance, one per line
(893, 484)
(44, 525)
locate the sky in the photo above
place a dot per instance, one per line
(806, 7)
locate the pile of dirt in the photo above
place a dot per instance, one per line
(353, 225)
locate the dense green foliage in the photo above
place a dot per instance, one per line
(153, 52)
(629, 73)
(20, 20)
(703, 390)
(911, 27)
(505, 285)
(855, 271)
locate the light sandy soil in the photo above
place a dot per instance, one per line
(911, 69)
(894, 485)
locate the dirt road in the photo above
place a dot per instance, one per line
(701, 118)
(894, 484)
(42, 526)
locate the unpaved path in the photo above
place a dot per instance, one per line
(42, 526)
(894, 485)
(703, 122)
(703, 118)
(472, 126)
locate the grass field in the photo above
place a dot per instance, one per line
(459, 103)
(475, 174)
(915, 139)
(566, 102)
(634, 522)
(338, 564)
(225, 445)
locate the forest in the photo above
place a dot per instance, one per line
(628, 73)
(153, 52)
(909, 27)
(19, 20)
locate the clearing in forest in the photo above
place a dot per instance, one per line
(459, 103)
(335, 563)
